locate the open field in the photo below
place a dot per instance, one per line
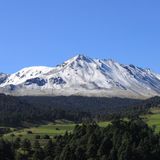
(153, 119)
(103, 124)
(51, 129)
(60, 127)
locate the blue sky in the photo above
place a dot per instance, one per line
(38, 32)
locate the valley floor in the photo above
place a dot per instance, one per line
(50, 129)
(61, 127)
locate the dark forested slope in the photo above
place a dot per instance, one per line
(16, 110)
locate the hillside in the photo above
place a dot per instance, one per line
(83, 76)
(19, 111)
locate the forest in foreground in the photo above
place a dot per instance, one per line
(121, 140)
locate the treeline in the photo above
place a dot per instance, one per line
(14, 111)
(122, 140)
(100, 107)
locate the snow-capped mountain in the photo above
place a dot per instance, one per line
(82, 75)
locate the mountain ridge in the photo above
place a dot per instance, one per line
(84, 76)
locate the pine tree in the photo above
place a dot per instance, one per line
(26, 146)
(49, 148)
(36, 145)
(17, 143)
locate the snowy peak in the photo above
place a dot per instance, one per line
(26, 73)
(80, 57)
(83, 58)
(82, 75)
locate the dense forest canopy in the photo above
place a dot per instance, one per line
(16, 110)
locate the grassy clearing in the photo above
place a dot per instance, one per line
(153, 119)
(61, 126)
(51, 129)
(104, 124)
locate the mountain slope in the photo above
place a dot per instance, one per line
(3, 77)
(84, 76)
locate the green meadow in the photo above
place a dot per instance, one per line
(51, 129)
(60, 127)
(153, 119)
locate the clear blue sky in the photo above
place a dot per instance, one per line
(47, 32)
